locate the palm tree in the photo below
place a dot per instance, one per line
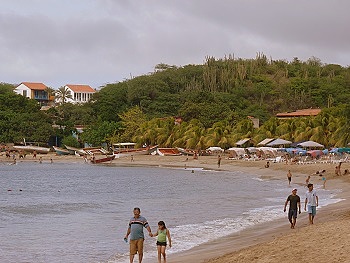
(193, 135)
(50, 92)
(220, 134)
(341, 136)
(62, 95)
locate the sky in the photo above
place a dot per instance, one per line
(96, 42)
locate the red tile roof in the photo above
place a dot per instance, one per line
(35, 85)
(80, 88)
(300, 113)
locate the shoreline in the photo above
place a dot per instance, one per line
(244, 245)
(266, 242)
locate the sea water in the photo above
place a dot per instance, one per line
(79, 212)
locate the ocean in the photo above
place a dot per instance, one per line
(78, 212)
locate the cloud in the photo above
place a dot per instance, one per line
(99, 41)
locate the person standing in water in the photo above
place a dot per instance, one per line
(163, 234)
(289, 176)
(135, 230)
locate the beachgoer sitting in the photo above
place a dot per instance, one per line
(346, 171)
(267, 165)
(320, 172)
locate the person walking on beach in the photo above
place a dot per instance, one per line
(337, 169)
(219, 161)
(324, 180)
(289, 176)
(307, 181)
(135, 230)
(294, 204)
(163, 234)
(311, 201)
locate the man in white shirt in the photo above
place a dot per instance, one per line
(311, 200)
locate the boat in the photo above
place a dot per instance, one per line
(188, 152)
(95, 150)
(32, 148)
(123, 152)
(61, 151)
(73, 150)
(168, 152)
(108, 158)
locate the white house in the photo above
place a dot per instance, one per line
(33, 90)
(80, 93)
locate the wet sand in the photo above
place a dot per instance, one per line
(328, 240)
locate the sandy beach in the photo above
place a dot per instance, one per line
(326, 241)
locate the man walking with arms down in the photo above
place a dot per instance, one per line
(294, 204)
(135, 230)
(311, 201)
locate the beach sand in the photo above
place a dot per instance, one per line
(328, 240)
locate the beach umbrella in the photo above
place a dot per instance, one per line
(334, 150)
(252, 149)
(268, 151)
(310, 144)
(344, 150)
(296, 151)
(265, 141)
(235, 151)
(215, 149)
(243, 141)
(315, 153)
(278, 142)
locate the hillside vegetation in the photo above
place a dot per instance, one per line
(214, 100)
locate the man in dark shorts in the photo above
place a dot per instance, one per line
(294, 204)
(135, 230)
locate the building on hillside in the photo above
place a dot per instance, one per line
(298, 113)
(80, 93)
(34, 90)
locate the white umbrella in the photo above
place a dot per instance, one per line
(310, 144)
(215, 149)
(278, 142)
(237, 151)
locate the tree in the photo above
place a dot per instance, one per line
(101, 132)
(131, 121)
(62, 95)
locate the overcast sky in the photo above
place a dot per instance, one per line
(96, 42)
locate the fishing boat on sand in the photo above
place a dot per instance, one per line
(31, 147)
(127, 149)
(95, 150)
(74, 150)
(61, 151)
(168, 152)
(108, 158)
(188, 152)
